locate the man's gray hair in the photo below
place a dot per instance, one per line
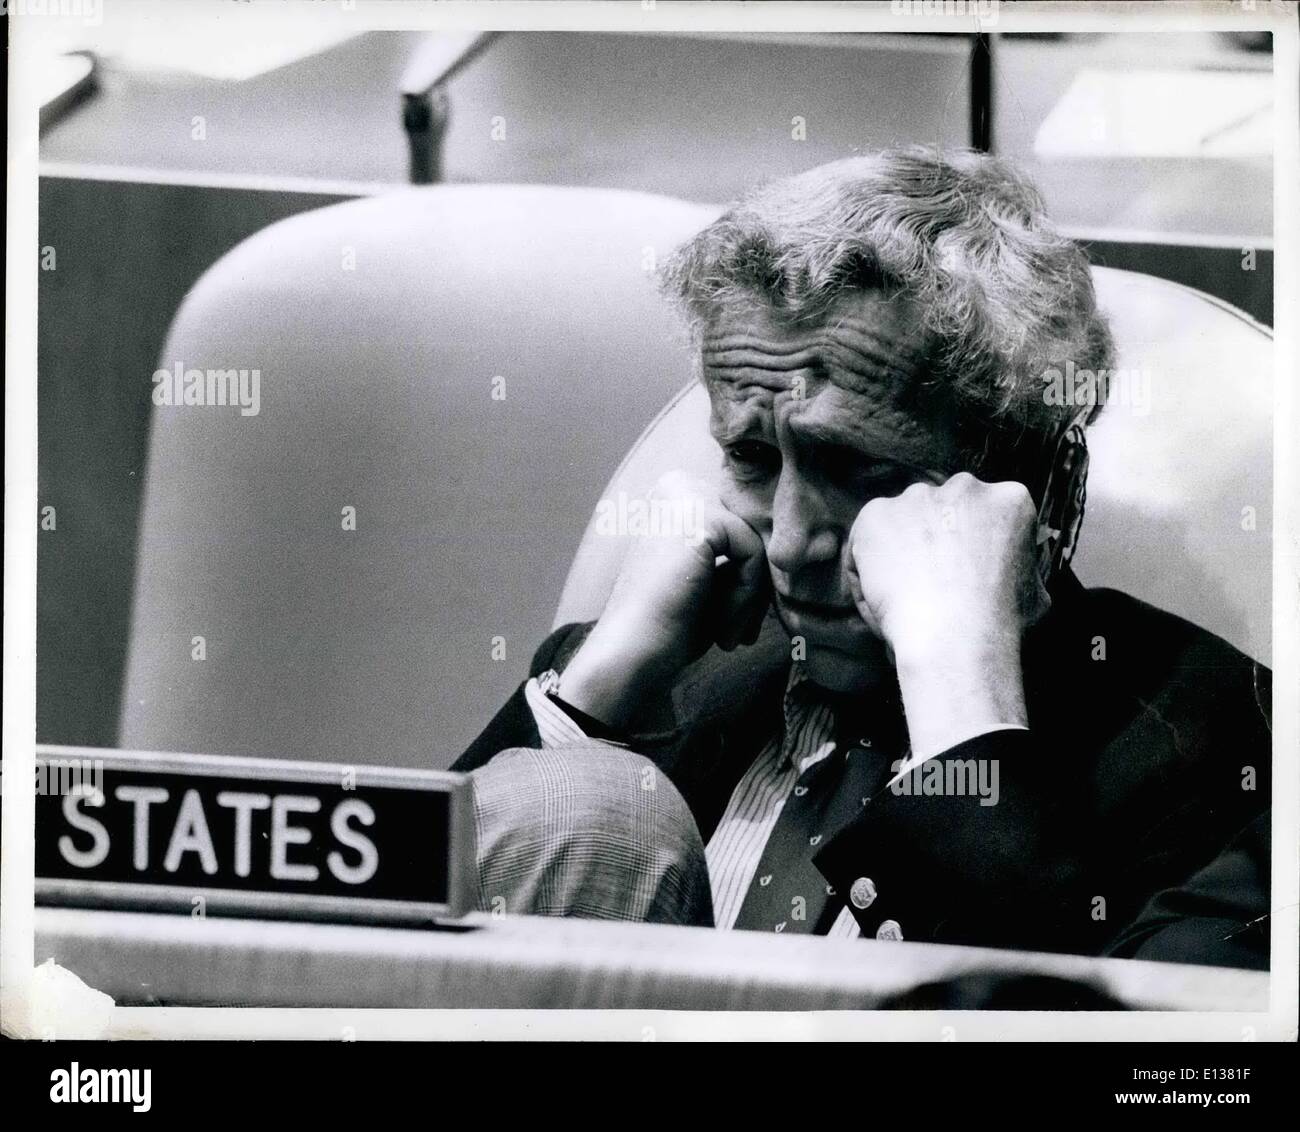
(965, 235)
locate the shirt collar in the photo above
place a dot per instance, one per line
(802, 696)
(809, 720)
(867, 721)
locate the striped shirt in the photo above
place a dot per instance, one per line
(736, 847)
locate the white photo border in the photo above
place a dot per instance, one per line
(17, 920)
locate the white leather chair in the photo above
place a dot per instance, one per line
(383, 644)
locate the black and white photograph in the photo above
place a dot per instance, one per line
(652, 521)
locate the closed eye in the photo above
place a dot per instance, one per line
(847, 468)
(752, 459)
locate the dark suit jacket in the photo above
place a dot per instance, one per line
(1132, 818)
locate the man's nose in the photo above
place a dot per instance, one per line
(802, 531)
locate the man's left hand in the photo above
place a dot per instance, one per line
(947, 575)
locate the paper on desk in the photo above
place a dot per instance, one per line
(52, 1004)
(1161, 114)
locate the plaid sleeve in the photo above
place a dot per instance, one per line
(587, 831)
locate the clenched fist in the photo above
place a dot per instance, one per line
(946, 574)
(948, 565)
(694, 576)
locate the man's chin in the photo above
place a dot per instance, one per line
(839, 671)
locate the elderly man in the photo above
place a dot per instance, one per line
(858, 691)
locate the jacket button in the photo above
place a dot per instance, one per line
(863, 892)
(889, 930)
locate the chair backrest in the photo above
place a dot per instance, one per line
(466, 367)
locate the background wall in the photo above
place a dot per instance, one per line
(125, 254)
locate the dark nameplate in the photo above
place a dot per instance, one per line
(211, 835)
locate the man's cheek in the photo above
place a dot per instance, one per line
(747, 502)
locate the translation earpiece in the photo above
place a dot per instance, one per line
(1060, 510)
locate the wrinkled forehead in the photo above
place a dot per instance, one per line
(864, 366)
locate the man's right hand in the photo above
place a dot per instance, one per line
(696, 577)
